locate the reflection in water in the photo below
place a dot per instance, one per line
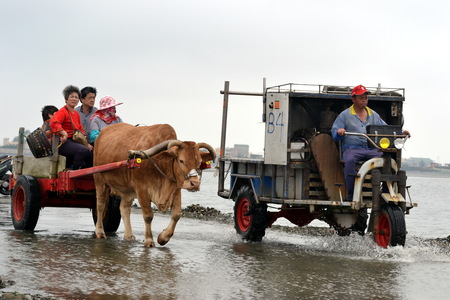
(79, 266)
(288, 271)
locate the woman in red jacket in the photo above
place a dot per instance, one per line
(63, 123)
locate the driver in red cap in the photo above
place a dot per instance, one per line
(354, 148)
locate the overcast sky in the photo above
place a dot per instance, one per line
(168, 60)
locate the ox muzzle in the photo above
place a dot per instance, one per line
(192, 181)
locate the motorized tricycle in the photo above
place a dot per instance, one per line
(300, 176)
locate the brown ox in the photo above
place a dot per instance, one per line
(159, 179)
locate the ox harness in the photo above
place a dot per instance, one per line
(191, 173)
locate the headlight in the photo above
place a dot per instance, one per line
(399, 143)
(385, 143)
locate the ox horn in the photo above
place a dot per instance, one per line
(174, 143)
(209, 148)
(152, 151)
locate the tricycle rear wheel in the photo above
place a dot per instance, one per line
(250, 217)
(25, 203)
(391, 229)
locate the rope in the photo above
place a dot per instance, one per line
(144, 155)
(160, 171)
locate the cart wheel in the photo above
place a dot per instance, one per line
(391, 226)
(25, 203)
(112, 218)
(250, 218)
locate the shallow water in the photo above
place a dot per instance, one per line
(207, 260)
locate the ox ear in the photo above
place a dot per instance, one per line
(173, 151)
(206, 156)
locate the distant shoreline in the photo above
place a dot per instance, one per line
(410, 171)
(427, 173)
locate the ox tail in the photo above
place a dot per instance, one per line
(150, 152)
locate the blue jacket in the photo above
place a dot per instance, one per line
(349, 120)
(97, 125)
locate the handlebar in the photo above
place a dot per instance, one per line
(368, 137)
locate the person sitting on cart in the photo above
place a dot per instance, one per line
(63, 123)
(47, 113)
(354, 148)
(104, 116)
(87, 108)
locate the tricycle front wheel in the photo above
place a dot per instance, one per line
(391, 229)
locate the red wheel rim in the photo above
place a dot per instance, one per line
(242, 220)
(19, 204)
(383, 234)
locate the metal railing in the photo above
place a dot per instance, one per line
(333, 89)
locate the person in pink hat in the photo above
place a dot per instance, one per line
(104, 116)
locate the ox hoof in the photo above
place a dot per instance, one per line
(130, 238)
(149, 243)
(161, 240)
(101, 235)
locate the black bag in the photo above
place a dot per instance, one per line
(39, 144)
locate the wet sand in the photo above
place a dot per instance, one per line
(199, 212)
